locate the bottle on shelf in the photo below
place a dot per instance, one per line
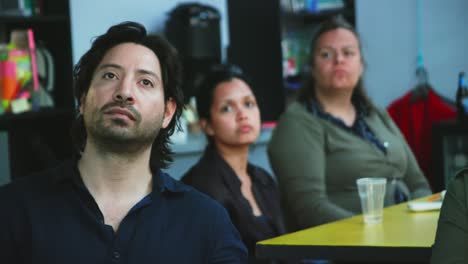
(462, 96)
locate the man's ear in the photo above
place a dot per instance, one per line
(169, 111)
(206, 127)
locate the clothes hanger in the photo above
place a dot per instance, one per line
(422, 87)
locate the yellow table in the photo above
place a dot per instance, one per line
(402, 236)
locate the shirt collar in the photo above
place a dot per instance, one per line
(315, 107)
(162, 182)
(165, 183)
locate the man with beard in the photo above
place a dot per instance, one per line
(112, 203)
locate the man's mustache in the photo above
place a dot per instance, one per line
(128, 107)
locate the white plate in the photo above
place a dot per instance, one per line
(424, 206)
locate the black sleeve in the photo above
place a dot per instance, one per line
(452, 229)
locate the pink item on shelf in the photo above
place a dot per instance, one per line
(32, 50)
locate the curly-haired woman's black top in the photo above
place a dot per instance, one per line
(213, 175)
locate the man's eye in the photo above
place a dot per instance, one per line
(109, 75)
(147, 82)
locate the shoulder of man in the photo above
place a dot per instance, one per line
(191, 197)
(459, 183)
(204, 211)
(35, 182)
(24, 192)
(213, 220)
(462, 173)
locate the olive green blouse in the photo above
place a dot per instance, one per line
(317, 163)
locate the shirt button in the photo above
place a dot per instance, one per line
(116, 255)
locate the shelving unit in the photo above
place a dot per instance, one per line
(449, 151)
(41, 138)
(297, 29)
(309, 18)
(257, 31)
(255, 45)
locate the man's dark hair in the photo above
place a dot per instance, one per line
(307, 90)
(171, 70)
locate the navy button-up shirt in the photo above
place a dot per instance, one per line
(52, 218)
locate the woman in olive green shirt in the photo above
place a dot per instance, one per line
(334, 135)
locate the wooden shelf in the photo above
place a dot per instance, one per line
(9, 121)
(33, 19)
(308, 17)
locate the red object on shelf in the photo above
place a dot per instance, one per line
(8, 79)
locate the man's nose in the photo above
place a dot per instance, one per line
(124, 93)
